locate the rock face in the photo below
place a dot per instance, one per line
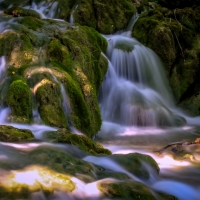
(53, 58)
(11, 134)
(174, 36)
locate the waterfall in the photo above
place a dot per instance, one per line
(135, 90)
(71, 20)
(2, 67)
(45, 10)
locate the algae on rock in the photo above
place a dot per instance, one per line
(11, 134)
(81, 141)
(19, 100)
(174, 36)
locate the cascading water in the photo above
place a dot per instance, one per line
(135, 90)
(71, 20)
(135, 100)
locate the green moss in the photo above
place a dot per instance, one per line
(85, 46)
(184, 73)
(83, 142)
(18, 11)
(106, 13)
(126, 190)
(133, 163)
(59, 161)
(48, 95)
(79, 107)
(59, 53)
(19, 100)
(130, 190)
(8, 40)
(11, 134)
(32, 22)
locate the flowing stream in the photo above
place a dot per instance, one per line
(139, 115)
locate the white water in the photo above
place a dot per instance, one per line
(45, 9)
(71, 20)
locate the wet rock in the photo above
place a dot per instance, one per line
(19, 100)
(83, 142)
(11, 134)
(18, 12)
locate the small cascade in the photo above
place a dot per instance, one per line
(135, 90)
(2, 67)
(71, 20)
(46, 10)
(6, 23)
(4, 115)
(36, 116)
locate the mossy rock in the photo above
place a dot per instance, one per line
(19, 100)
(8, 41)
(135, 163)
(59, 53)
(31, 22)
(41, 180)
(173, 35)
(18, 11)
(184, 75)
(11, 134)
(130, 190)
(85, 45)
(83, 142)
(59, 161)
(49, 97)
(101, 15)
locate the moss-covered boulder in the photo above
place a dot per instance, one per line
(59, 160)
(137, 163)
(49, 98)
(106, 17)
(18, 11)
(130, 190)
(31, 22)
(11, 134)
(74, 55)
(19, 100)
(174, 36)
(83, 142)
(41, 180)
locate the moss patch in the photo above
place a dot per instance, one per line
(11, 134)
(48, 96)
(83, 142)
(19, 100)
(18, 11)
(135, 163)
